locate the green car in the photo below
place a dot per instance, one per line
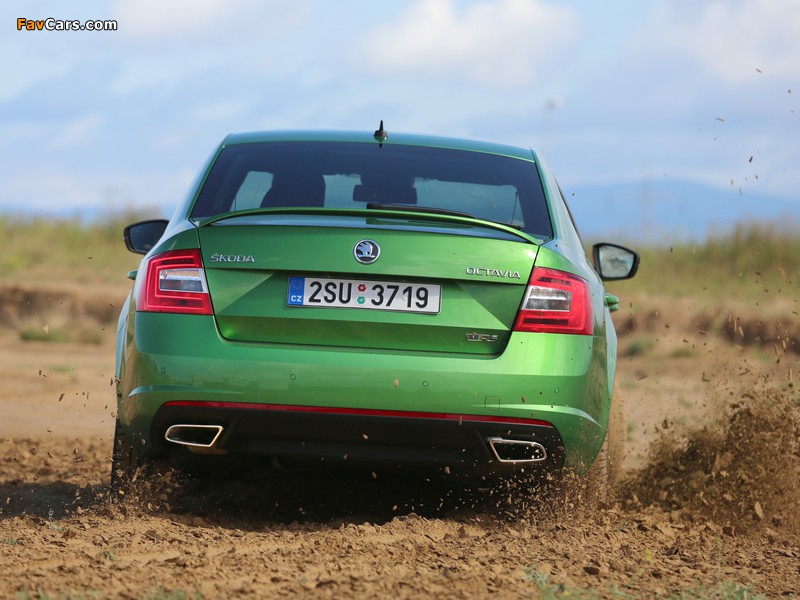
(358, 300)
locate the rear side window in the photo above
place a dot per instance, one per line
(353, 175)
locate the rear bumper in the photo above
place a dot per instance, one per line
(557, 379)
(325, 438)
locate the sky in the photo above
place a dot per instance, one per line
(628, 92)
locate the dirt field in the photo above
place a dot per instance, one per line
(709, 507)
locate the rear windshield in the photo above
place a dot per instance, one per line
(358, 175)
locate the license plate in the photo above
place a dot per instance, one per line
(358, 293)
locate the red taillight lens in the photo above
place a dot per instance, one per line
(556, 302)
(176, 283)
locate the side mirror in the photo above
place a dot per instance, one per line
(141, 237)
(614, 262)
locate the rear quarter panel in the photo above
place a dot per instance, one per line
(565, 251)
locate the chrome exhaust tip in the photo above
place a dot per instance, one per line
(517, 451)
(195, 436)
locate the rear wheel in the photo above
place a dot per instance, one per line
(124, 461)
(607, 468)
(597, 480)
(617, 434)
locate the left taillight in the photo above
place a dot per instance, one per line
(176, 283)
(556, 302)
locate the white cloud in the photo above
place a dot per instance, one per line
(498, 42)
(77, 131)
(731, 39)
(24, 131)
(206, 20)
(227, 110)
(29, 70)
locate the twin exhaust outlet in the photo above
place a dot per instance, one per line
(504, 450)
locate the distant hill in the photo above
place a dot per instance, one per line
(656, 212)
(664, 211)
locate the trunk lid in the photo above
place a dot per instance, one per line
(479, 273)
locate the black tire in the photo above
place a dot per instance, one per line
(124, 461)
(597, 480)
(607, 467)
(617, 436)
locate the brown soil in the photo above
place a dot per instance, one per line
(708, 507)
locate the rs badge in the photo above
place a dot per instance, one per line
(481, 337)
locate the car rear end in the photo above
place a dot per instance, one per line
(412, 312)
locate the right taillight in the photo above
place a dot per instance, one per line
(556, 302)
(175, 283)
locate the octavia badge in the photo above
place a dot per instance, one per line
(366, 252)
